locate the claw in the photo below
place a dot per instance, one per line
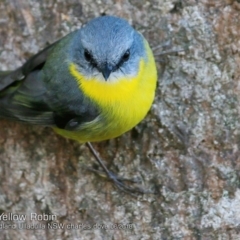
(118, 181)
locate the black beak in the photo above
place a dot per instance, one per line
(106, 71)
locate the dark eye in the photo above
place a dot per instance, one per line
(88, 56)
(126, 56)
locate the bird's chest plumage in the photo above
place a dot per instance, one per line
(123, 103)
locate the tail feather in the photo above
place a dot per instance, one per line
(22, 92)
(23, 100)
(9, 77)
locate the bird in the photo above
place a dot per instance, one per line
(94, 84)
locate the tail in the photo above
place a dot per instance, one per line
(23, 93)
(22, 98)
(4, 73)
(7, 89)
(9, 77)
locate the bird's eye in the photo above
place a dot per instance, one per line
(88, 56)
(126, 56)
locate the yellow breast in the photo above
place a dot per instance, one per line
(123, 103)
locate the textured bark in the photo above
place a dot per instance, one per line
(186, 151)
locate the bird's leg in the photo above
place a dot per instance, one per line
(118, 181)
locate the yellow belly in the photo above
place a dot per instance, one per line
(123, 104)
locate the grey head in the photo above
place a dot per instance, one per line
(108, 48)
